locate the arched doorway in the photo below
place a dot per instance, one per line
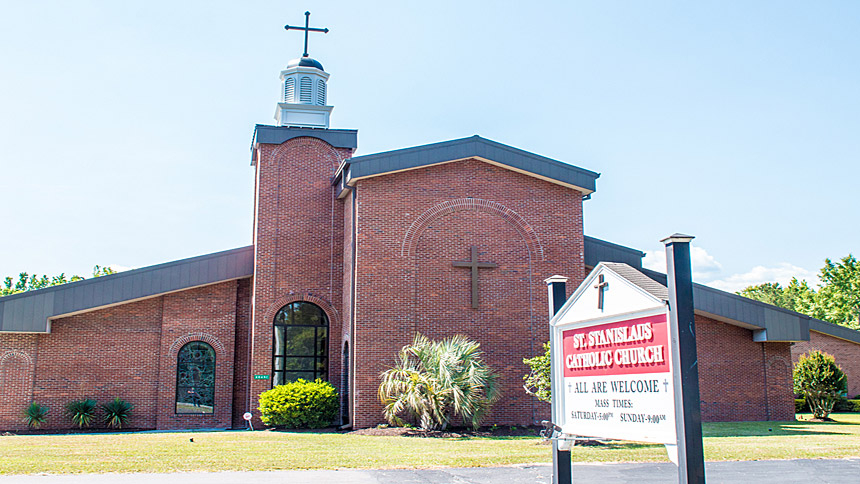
(300, 343)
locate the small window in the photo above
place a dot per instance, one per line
(305, 88)
(321, 92)
(195, 379)
(290, 90)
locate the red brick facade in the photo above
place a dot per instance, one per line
(127, 351)
(379, 263)
(846, 353)
(740, 379)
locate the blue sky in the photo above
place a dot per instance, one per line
(125, 126)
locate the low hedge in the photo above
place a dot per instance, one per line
(841, 405)
(300, 404)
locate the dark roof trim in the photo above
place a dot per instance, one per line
(770, 323)
(275, 135)
(30, 311)
(472, 147)
(834, 330)
(597, 251)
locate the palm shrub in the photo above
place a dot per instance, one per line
(35, 415)
(81, 412)
(117, 412)
(300, 404)
(820, 381)
(434, 381)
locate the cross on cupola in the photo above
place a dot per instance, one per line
(474, 265)
(306, 29)
(303, 88)
(601, 287)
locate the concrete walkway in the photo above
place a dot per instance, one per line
(841, 471)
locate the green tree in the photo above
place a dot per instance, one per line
(434, 381)
(820, 380)
(537, 382)
(27, 282)
(797, 296)
(838, 300)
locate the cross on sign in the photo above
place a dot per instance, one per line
(306, 29)
(601, 286)
(474, 265)
(666, 385)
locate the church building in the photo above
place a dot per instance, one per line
(352, 256)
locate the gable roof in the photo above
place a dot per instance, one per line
(554, 171)
(30, 311)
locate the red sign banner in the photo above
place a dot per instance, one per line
(630, 347)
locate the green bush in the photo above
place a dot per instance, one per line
(35, 415)
(820, 381)
(800, 405)
(81, 412)
(117, 413)
(300, 404)
(845, 405)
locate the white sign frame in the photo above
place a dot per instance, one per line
(615, 420)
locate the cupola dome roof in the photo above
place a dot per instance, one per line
(305, 62)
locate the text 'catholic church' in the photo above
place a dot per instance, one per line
(350, 258)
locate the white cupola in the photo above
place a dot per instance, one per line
(303, 95)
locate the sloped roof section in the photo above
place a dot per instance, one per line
(639, 279)
(597, 251)
(474, 147)
(29, 312)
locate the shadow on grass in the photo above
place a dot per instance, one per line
(769, 429)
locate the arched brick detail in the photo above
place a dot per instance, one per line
(16, 354)
(196, 336)
(778, 360)
(331, 312)
(334, 157)
(410, 241)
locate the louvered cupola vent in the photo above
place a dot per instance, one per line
(321, 92)
(290, 90)
(305, 87)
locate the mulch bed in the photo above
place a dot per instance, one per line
(453, 433)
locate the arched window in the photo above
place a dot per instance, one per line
(195, 378)
(300, 347)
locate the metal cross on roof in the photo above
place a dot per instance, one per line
(306, 29)
(474, 265)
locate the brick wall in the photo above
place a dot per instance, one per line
(739, 379)
(298, 245)
(205, 314)
(17, 363)
(126, 351)
(241, 353)
(846, 353)
(102, 355)
(411, 227)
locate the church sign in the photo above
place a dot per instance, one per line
(611, 342)
(617, 380)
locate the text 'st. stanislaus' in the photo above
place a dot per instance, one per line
(618, 380)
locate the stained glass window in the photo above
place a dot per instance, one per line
(195, 378)
(300, 346)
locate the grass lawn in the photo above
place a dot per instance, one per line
(219, 451)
